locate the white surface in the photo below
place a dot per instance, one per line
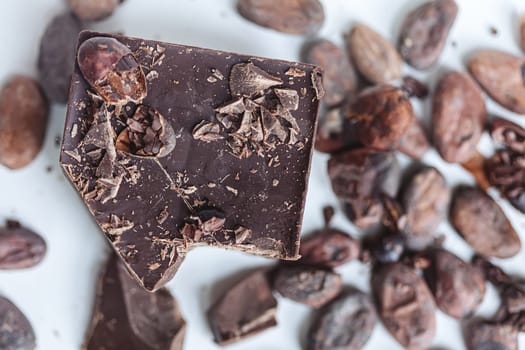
(57, 295)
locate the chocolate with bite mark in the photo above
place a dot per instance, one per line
(128, 317)
(173, 146)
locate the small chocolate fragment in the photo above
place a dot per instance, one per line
(328, 248)
(405, 305)
(458, 287)
(16, 332)
(458, 117)
(482, 223)
(344, 324)
(20, 248)
(414, 87)
(287, 16)
(358, 177)
(147, 134)
(23, 121)
(93, 10)
(246, 309)
(112, 70)
(378, 118)
(128, 317)
(339, 78)
(500, 74)
(307, 285)
(424, 32)
(506, 169)
(56, 57)
(490, 335)
(414, 142)
(246, 79)
(425, 201)
(374, 56)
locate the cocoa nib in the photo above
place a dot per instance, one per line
(207, 131)
(506, 168)
(148, 134)
(93, 10)
(405, 304)
(358, 177)
(247, 308)
(501, 75)
(204, 222)
(20, 248)
(339, 77)
(482, 223)
(111, 69)
(344, 324)
(378, 118)
(458, 287)
(424, 32)
(56, 58)
(287, 16)
(23, 121)
(458, 117)
(425, 201)
(307, 285)
(246, 79)
(414, 87)
(374, 56)
(328, 248)
(15, 330)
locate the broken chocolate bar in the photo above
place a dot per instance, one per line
(128, 317)
(172, 147)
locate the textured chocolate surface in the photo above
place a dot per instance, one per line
(147, 203)
(128, 317)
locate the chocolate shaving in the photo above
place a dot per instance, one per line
(289, 98)
(246, 79)
(207, 131)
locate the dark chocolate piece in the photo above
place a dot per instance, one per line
(246, 309)
(216, 153)
(128, 317)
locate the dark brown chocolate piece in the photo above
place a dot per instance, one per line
(128, 317)
(287, 16)
(223, 131)
(20, 248)
(246, 309)
(458, 287)
(23, 121)
(16, 332)
(56, 58)
(344, 324)
(307, 285)
(483, 224)
(405, 304)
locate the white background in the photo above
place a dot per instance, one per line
(57, 295)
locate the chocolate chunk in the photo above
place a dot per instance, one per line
(425, 201)
(246, 155)
(405, 305)
(424, 32)
(358, 178)
(287, 16)
(378, 118)
(458, 117)
(339, 79)
(56, 57)
(20, 248)
(93, 10)
(246, 309)
(500, 74)
(112, 70)
(457, 286)
(23, 121)
(16, 332)
(128, 317)
(307, 285)
(482, 223)
(490, 335)
(374, 56)
(414, 142)
(344, 324)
